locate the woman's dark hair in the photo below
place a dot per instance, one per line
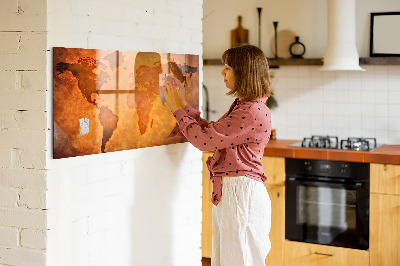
(250, 66)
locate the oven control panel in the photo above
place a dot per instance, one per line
(338, 169)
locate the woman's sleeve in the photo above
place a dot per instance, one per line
(229, 131)
(195, 114)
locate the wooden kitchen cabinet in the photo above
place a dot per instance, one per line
(384, 237)
(305, 254)
(206, 225)
(385, 178)
(277, 233)
(274, 168)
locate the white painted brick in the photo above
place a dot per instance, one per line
(97, 173)
(79, 228)
(168, 20)
(179, 35)
(17, 256)
(23, 100)
(8, 6)
(130, 42)
(24, 61)
(178, 7)
(9, 42)
(8, 237)
(5, 158)
(103, 41)
(153, 32)
(148, 6)
(23, 22)
(191, 22)
(24, 119)
(33, 239)
(114, 186)
(114, 170)
(33, 7)
(23, 178)
(33, 199)
(196, 10)
(196, 37)
(31, 80)
(33, 42)
(166, 46)
(7, 82)
(98, 222)
(190, 48)
(33, 159)
(15, 158)
(23, 139)
(8, 197)
(106, 10)
(23, 218)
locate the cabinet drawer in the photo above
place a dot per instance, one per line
(304, 254)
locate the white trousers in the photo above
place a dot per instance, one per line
(241, 223)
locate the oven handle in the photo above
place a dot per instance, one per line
(357, 185)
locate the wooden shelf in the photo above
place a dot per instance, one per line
(380, 61)
(274, 63)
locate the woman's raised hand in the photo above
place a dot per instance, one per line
(174, 93)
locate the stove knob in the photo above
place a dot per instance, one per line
(343, 168)
(308, 166)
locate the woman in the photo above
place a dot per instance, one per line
(242, 208)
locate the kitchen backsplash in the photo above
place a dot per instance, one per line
(314, 102)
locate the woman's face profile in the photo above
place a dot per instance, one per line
(229, 76)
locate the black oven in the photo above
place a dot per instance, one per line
(327, 202)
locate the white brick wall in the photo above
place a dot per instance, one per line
(136, 207)
(99, 207)
(23, 218)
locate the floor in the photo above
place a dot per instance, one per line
(206, 261)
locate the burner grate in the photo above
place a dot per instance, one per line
(358, 144)
(332, 142)
(327, 142)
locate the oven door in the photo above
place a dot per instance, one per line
(327, 213)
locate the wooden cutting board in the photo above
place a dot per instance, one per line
(239, 35)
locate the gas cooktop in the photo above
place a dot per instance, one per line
(332, 142)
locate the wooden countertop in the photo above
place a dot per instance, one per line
(389, 154)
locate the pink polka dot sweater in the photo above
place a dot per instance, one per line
(238, 139)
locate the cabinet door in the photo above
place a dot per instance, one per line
(385, 178)
(277, 233)
(304, 254)
(384, 236)
(206, 232)
(274, 168)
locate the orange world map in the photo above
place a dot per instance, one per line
(109, 100)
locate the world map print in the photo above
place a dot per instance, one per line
(109, 100)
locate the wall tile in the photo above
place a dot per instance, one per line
(381, 110)
(394, 110)
(366, 96)
(394, 97)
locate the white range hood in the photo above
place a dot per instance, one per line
(341, 51)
